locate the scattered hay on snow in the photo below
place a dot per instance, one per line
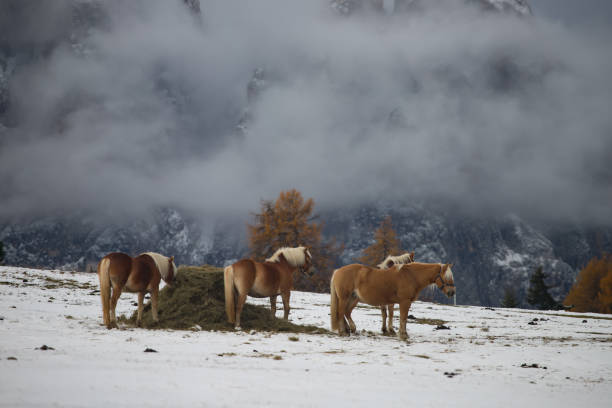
(197, 298)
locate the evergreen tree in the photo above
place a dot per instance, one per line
(592, 291)
(288, 222)
(385, 244)
(537, 294)
(1, 252)
(509, 299)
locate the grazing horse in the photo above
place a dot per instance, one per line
(263, 279)
(389, 261)
(141, 274)
(398, 284)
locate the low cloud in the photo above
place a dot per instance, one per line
(484, 112)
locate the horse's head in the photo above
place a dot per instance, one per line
(171, 271)
(445, 281)
(397, 260)
(307, 260)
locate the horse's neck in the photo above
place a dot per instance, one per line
(283, 265)
(163, 266)
(427, 275)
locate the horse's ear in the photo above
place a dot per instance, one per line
(172, 259)
(412, 256)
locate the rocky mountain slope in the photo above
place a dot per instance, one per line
(489, 254)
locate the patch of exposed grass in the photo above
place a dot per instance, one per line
(431, 322)
(197, 298)
(421, 356)
(52, 283)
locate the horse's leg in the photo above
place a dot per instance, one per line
(240, 300)
(390, 310)
(141, 296)
(285, 296)
(154, 298)
(273, 305)
(114, 298)
(342, 306)
(383, 312)
(404, 308)
(351, 305)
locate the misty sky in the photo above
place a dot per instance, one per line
(575, 13)
(484, 112)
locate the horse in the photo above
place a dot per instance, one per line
(140, 274)
(398, 284)
(389, 261)
(270, 278)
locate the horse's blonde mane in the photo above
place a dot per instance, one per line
(448, 274)
(399, 259)
(162, 263)
(295, 256)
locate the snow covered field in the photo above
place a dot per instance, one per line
(475, 363)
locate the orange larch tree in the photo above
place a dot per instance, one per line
(385, 244)
(289, 222)
(592, 291)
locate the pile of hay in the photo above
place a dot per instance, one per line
(197, 298)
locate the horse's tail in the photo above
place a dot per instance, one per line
(228, 280)
(333, 304)
(105, 289)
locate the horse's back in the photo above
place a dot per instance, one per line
(373, 286)
(258, 279)
(144, 272)
(119, 266)
(118, 258)
(344, 278)
(244, 275)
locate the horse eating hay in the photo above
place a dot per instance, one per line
(398, 284)
(141, 274)
(389, 261)
(263, 279)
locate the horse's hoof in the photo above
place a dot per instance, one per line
(391, 331)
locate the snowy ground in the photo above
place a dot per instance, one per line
(481, 355)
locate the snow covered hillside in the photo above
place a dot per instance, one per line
(478, 362)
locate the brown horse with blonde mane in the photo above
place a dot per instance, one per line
(399, 284)
(141, 274)
(263, 279)
(389, 261)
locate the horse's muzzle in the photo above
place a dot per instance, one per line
(450, 293)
